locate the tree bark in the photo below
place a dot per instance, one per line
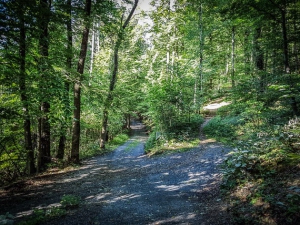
(113, 79)
(44, 156)
(24, 98)
(92, 55)
(199, 78)
(77, 86)
(201, 39)
(233, 57)
(259, 60)
(62, 139)
(286, 60)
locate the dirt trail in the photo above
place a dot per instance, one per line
(128, 187)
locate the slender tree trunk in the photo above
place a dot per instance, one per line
(198, 83)
(286, 62)
(247, 54)
(128, 121)
(296, 44)
(233, 57)
(24, 99)
(44, 156)
(77, 86)
(259, 60)
(66, 100)
(109, 98)
(98, 37)
(92, 56)
(201, 39)
(113, 79)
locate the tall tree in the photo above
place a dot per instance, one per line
(113, 79)
(23, 90)
(69, 57)
(77, 86)
(44, 156)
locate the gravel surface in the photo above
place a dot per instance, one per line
(128, 187)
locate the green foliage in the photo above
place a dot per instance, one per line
(264, 165)
(6, 219)
(179, 136)
(37, 217)
(70, 201)
(152, 141)
(42, 215)
(12, 158)
(93, 148)
(55, 212)
(223, 128)
(118, 140)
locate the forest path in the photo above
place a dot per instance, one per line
(128, 187)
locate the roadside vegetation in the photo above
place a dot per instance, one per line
(181, 135)
(261, 177)
(73, 74)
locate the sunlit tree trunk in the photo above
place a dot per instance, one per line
(233, 57)
(198, 83)
(77, 86)
(201, 39)
(92, 55)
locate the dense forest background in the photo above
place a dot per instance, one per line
(74, 73)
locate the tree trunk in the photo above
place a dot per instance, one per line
(92, 56)
(233, 57)
(128, 121)
(77, 86)
(286, 61)
(103, 134)
(44, 156)
(259, 60)
(24, 99)
(201, 39)
(62, 139)
(113, 79)
(199, 78)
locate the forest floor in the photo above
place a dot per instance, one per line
(128, 187)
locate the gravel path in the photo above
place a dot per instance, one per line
(128, 187)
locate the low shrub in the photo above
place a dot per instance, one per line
(180, 133)
(223, 128)
(119, 139)
(262, 176)
(70, 201)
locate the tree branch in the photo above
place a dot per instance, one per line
(130, 14)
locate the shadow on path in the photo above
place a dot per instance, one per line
(128, 187)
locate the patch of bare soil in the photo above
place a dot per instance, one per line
(128, 187)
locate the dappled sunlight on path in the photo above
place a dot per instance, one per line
(128, 187)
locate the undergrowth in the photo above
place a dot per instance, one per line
(41, 215)
(261, 176)
(93, 148)
(180, 136)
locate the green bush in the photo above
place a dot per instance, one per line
(6, 219)
(180, 131)
(119, 139)
(223, 128)
(152, 141)
(267, 166)
(70, 201)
